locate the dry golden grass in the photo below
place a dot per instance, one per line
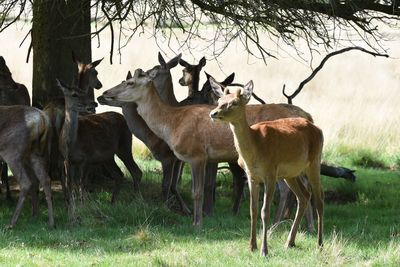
(354, 99)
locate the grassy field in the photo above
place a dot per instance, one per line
(362, 227)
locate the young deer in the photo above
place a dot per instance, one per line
(11, 93)
(92, 140)
(272, 150)
(188, 130)
(24, 135)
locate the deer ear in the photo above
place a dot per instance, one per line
(173, 62)
(247, 91)
(183, 63)
(216, 87)
(202, 62)
(229, 79)
(60, 84)
(95, 63)
(129, 75)
(161, 60)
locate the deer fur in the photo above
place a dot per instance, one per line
(188, 130)
(272, 150)
(11, 93)
(161, 76)
(24, 135)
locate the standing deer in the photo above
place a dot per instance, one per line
(188, 130)
(272, 150)
(11, 93)
(210, 95)
(24, 133)
(92, 140)
(162, 79)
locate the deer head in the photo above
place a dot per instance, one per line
(130, 90)
(231, 102)
(87, 74)
(75, 98)
(191, 72)
(161, 73)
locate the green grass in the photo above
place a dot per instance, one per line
(139, 230)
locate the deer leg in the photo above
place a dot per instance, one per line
(269, 189)
(312, 173)
(116, 173)
(4, 179)
(303, 197)
(19, 170)
(283, 197)
(168, 174)
(132, 167)
(254, 193)
(34, 195)
(209, 188)
(239, 180)
(309, 212)
(178, 167)
(39, 168)
(198, 171)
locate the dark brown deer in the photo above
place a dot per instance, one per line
(24, 133)
(191, 75)
(273, 150)
(162, 79)
(93, 140)
(11, 93)
(188, 130)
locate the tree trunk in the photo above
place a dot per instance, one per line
(56, 25)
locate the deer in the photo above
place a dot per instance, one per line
(272, 150)
(191, 75)
(11, 93)
(94, 139)
(188, 130)
(170, 164)
(24, 145)
(210, 95)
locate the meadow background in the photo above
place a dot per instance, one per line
(354, 99)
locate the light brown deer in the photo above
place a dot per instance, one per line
(11, 93)
(24, 133)
(210, 95)
(188, 130)
(161, 76)
(272, 150)
(93, 140)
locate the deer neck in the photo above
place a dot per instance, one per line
(194, 85)
(165, 89)
(160, 117)
(69, 130)
(243, 136)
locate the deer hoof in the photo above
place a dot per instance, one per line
(264, 253)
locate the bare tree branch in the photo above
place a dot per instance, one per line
(320, 66)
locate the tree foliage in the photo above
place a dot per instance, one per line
(318, 22)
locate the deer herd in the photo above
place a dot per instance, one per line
(276, 145)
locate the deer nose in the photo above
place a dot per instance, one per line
(213, 114)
